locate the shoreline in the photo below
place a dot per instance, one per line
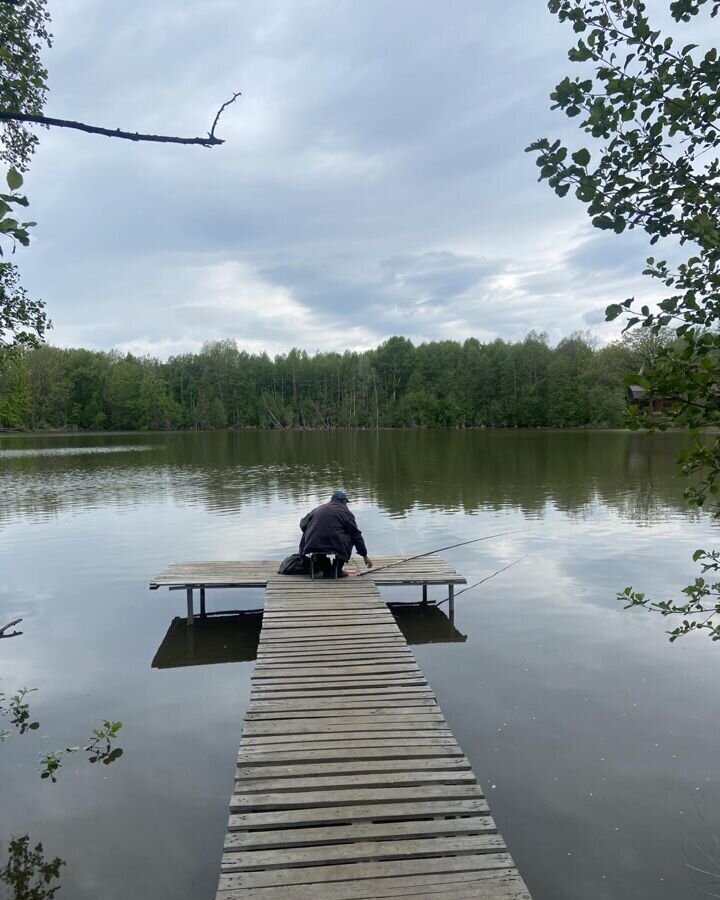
(62, 432)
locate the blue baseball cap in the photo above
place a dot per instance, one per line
(340, 495)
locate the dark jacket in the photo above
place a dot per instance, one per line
(331, 528)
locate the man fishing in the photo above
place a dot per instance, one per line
(331, 529)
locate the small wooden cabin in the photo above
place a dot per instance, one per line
(639, 396)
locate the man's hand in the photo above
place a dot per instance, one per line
(368, 562)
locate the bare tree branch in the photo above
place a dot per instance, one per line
(10, 625)
(209, 141)
(221, 111)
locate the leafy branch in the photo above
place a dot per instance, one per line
(701, 608)
(17, 710)
(99, 749)
(656, 108)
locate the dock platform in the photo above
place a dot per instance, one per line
(387, 571)
(349, 782)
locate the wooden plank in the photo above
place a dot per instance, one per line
(333, 727)
(355, 708)
(360, 852)
(249, 772)
(345, 781)
(360, 678)
(360, 812)
(489, 885)
(319, 652)
(384, 695)
(384, 643)
(403, 717)
(359, 629)
(401, 699)
(344, 723)
(304, 638)
(335, 689)
(327, 614)
(340, 684)
(340, 746)
(418, 828)
(369, 651)
(348, 738)
(344, 731)
(352, 796)
(370, 696)
(326, 608)
(340, 754)
(354, 696)
(272, 687)
(346, 872)
(304, 672)
(388, 640)
(322, 659)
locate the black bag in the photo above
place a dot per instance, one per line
(295, 565)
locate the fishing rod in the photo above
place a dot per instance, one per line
(398, 562)
(486, 578)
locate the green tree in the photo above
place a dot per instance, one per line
(24, 35)
(156, 410)
(14, 393)
(48, 388)
(23, 87)
(123, 393)
(651, 106)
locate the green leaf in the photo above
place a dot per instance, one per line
(14, 179)
(581, 157)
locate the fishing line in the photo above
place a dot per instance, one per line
(438, 550)
(486, 578)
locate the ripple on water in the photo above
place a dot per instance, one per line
(72, 451)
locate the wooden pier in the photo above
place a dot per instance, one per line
(388, 571)
(349, 782)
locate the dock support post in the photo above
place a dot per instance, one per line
(451, 603)
(202, 602)
(190, 606)
(424, 595)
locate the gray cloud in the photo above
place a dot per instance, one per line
(373, 180)
(594, 316)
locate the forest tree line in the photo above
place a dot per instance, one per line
(444, 384)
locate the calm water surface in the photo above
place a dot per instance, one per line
(597, 742)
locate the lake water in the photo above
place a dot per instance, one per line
(596, 740)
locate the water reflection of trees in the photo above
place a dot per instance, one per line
(26, 873)
(634, 474)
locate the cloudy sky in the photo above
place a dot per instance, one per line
(373, 180)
